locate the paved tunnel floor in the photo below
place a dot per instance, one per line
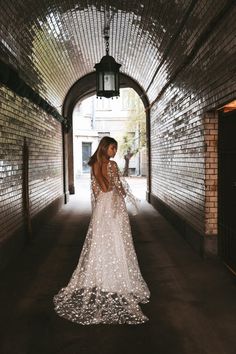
(192, 309)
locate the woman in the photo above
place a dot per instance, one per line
(107, 285)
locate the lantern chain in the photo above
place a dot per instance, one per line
(106, 37)
(108, 19)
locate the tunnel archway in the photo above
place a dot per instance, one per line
(83, 88)
(181, 54)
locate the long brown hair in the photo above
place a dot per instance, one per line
(101, 150)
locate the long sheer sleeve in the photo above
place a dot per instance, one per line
(116, 179)
(123, 188)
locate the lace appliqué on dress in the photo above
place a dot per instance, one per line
(107, 285)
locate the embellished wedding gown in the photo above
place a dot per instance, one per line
(107, 286)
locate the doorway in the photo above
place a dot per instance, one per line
(86, 153)
(227, 188)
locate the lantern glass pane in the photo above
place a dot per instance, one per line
(100, 82)
(109, 81)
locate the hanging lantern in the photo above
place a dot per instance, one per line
(107, 74)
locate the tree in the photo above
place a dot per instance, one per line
(128, 151)
(134, 138)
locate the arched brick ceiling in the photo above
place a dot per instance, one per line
(53, 43)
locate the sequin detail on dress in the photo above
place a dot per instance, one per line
(107, 286)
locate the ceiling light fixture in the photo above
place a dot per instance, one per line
(107, 71)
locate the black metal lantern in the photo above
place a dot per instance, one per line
(107, 74)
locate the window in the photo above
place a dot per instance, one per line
(102, 134)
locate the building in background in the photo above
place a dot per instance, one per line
(94, 118)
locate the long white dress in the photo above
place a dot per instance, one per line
(106, 286)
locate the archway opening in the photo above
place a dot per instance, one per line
(81, 90)
(124, 119)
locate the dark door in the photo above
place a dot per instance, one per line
(227, 188)
(86, 153)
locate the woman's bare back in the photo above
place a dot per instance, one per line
(101, 174)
